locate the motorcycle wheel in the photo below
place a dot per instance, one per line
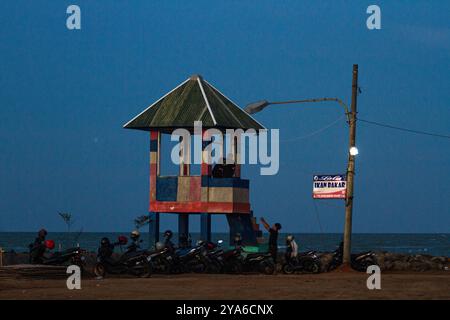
(311, 266)
(177, 269)
(199, 268)
(164, 266)
(213, 267)
(145, 272)
(267, 267)
(99, 270)
(287, 269)
(234, 268)
(362, 266)
(333, 265)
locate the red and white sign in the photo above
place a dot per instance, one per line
(329, 186)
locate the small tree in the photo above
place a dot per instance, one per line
(141, 221)
(67, 217)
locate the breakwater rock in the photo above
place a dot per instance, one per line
(402, 262)
(388, 261)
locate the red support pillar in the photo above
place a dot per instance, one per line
(205, 218)
(155, 141)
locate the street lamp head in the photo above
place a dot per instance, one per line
(354, 151)
(256, 106)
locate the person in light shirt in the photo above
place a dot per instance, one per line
(292, 248)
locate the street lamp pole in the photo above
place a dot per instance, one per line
(350, 171)
(353, 151)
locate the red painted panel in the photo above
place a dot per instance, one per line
(195, 189)
(153, 135)
(196, 207)
(237, 171)
(181, 207)
(205, 169)
(153, 169)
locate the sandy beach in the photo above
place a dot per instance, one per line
(334, 285)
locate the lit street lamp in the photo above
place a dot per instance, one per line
(353, 151)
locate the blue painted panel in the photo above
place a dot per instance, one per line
(153, 145)
(166, 188)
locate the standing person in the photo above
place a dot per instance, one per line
(168, 241)
(273, 237)
(135, 241)
(292, 248)
(37, 249)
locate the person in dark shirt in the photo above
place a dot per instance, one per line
(226, 169)
(273, 238)
(168, 241)
(106, 251)
(37, 249)
(237, 240)
(135, 242)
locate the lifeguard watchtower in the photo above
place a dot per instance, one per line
(196, 100)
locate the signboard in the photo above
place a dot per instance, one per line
(329, 186)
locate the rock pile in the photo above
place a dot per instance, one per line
(402, 262)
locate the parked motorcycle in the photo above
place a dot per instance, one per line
(305, 262)
(193, 259)
(359, 262)
(232, 261)
(134, 263)
(260, 262)
(238, 260)
(71, 256)
(214, 257)
(205, 257)
(163, 260)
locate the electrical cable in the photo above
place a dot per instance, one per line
(315, 132)
(405, 129)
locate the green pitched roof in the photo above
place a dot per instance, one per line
(193, 100)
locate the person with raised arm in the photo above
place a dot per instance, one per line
(273, 237)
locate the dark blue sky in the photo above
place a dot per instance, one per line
(65, 95)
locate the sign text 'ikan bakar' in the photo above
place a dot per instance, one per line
(329, 186)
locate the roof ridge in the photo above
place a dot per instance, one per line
(225, 106)
(206, 100)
